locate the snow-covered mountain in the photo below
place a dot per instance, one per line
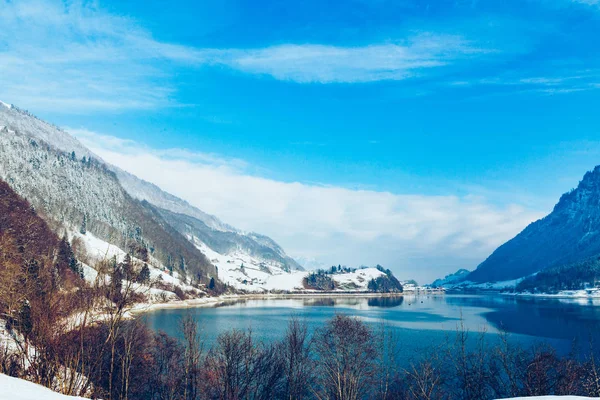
(216, 234)
(80, 193)
(451, 279)
(567, 235)
(69, 184)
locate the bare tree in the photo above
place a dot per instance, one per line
(298, 365)
(194, 347)
(230, 369)
(423, 381)
(346, 359)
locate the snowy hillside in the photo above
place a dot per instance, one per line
(71, 190)
(451, 279)
(260, 249)
(245, 273)
(67, 182)
(22, 121)
(219, 236)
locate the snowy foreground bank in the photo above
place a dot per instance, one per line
(19, 389)
(553, 398)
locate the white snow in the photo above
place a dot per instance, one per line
(358, 279)
(19, 389)
(583, 294)
(24, 122)
(499, 285)
(98, 250)
(552, 398)
(244, 272)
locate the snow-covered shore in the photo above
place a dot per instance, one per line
(563, 294)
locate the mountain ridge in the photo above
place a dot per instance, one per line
(571, 232)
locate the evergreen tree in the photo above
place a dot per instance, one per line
(211, 284)
(83, 228)
(25, 320)
(127, 266)
(144, 275)
(66, 258)
(372, 286)
(76, 267)
(116, 281)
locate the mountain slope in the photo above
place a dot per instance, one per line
(570, 233)
(117, 215)
(217, 235)
(68, 189)
(229, 242)
(450, 279)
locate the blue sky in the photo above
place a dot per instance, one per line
(486, 105)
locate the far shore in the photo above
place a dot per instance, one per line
(215, 301)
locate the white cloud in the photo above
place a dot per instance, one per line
(73, 56)
(417, 235)
(329, 64)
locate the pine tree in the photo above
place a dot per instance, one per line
(211, 284)
(25, 320)
(76, 267)
(144, 275)
(126, 266)
(372, 286)
(116, 281)
(66, 258)
(83, 229)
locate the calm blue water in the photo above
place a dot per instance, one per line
(419, 322)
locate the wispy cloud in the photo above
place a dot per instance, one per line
(331, 64)
(575, 81)
(73, 56)
(61, 56)
(588, 2)
(433, 234)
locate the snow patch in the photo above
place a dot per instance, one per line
(244, 272)
(19, 389)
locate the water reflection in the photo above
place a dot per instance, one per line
(319, 302)
(385, 302)
(567, 319)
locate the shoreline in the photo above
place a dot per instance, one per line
(144, 308)
(553, 296)
(573, 296)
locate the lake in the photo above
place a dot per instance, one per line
(419, 322)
